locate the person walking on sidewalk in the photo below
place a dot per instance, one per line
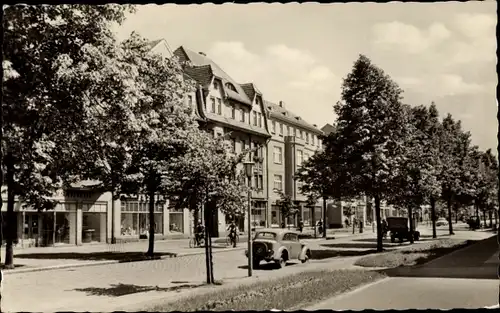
(232, 233)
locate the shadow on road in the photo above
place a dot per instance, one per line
(388, 240)
(118, 290)
(96, 256)
(326, 254)
(267, 266)
(470, 262)
(358, 245)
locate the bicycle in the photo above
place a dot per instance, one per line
(194, 244)
(229, 240)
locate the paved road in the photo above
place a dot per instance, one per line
(92, 288)
(466, 278)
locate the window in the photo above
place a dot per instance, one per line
(231, 87)
(281, 130)
(288, 131)
(300, 134)
(248, 118)
(278, 182)
(300, 157)
(233, 112)
(277, 155)
(307, 137)
(313, 139)
(190, 100)
(257, 101)
(273, 127)
(261, 181)
(254, 118)
(295, 132)
(242, 115)
(306, 156)
(212, 99)
(219, 106)
(256, 182)
(216, 85)
(135, 218)
(260, 119)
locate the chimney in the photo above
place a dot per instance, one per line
(282, 104)
(202, 53)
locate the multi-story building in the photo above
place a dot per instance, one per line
(236, 111)
(293, 141)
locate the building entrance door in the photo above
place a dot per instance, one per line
(31, 229)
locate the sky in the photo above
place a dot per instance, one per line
(299, 53)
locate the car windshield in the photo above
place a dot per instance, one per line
(265, 235)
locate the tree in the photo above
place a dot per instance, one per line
(417, 183)
(455, 145)
(39, 127)
(322, 176)
(164, 122)
(287, 207)
(370, 129)
(207, 178)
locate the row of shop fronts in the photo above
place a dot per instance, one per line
(83, 217)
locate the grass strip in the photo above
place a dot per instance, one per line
(413, 255)
(289, 292)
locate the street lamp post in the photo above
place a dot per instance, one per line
(249, 172)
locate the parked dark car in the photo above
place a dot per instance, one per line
(399, 228)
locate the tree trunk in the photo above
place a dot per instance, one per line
(476, 204)
(433, 217)
(314, 220)
(456, 213)
(410, 217)
(207, 252)
(491, 218)
(484, 217)
(151, 245)
(210, 254)
(324, 217)
(450, 225)
(11, 222)
(380, 247)
(113, 238)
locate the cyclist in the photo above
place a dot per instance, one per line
(232, 233)
(200, 229)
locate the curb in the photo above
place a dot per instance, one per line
(97, 263)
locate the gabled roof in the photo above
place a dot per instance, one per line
(328, 129)
(285, 115)
(250, 89)
(198, 60)
(154, 43)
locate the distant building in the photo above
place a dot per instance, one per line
(293, 141)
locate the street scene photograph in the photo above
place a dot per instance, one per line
(259, 156)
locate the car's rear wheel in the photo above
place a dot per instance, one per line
(281, 263)
(307, 257)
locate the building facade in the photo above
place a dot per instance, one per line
(292, 142)
(237, 112)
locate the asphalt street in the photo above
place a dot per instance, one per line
(466, 278)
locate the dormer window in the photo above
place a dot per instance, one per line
(257, 101)
(231, 87)
(216, 85)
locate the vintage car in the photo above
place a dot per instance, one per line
(279, 246)
(398, 226)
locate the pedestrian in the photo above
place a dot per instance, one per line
(301, 225)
